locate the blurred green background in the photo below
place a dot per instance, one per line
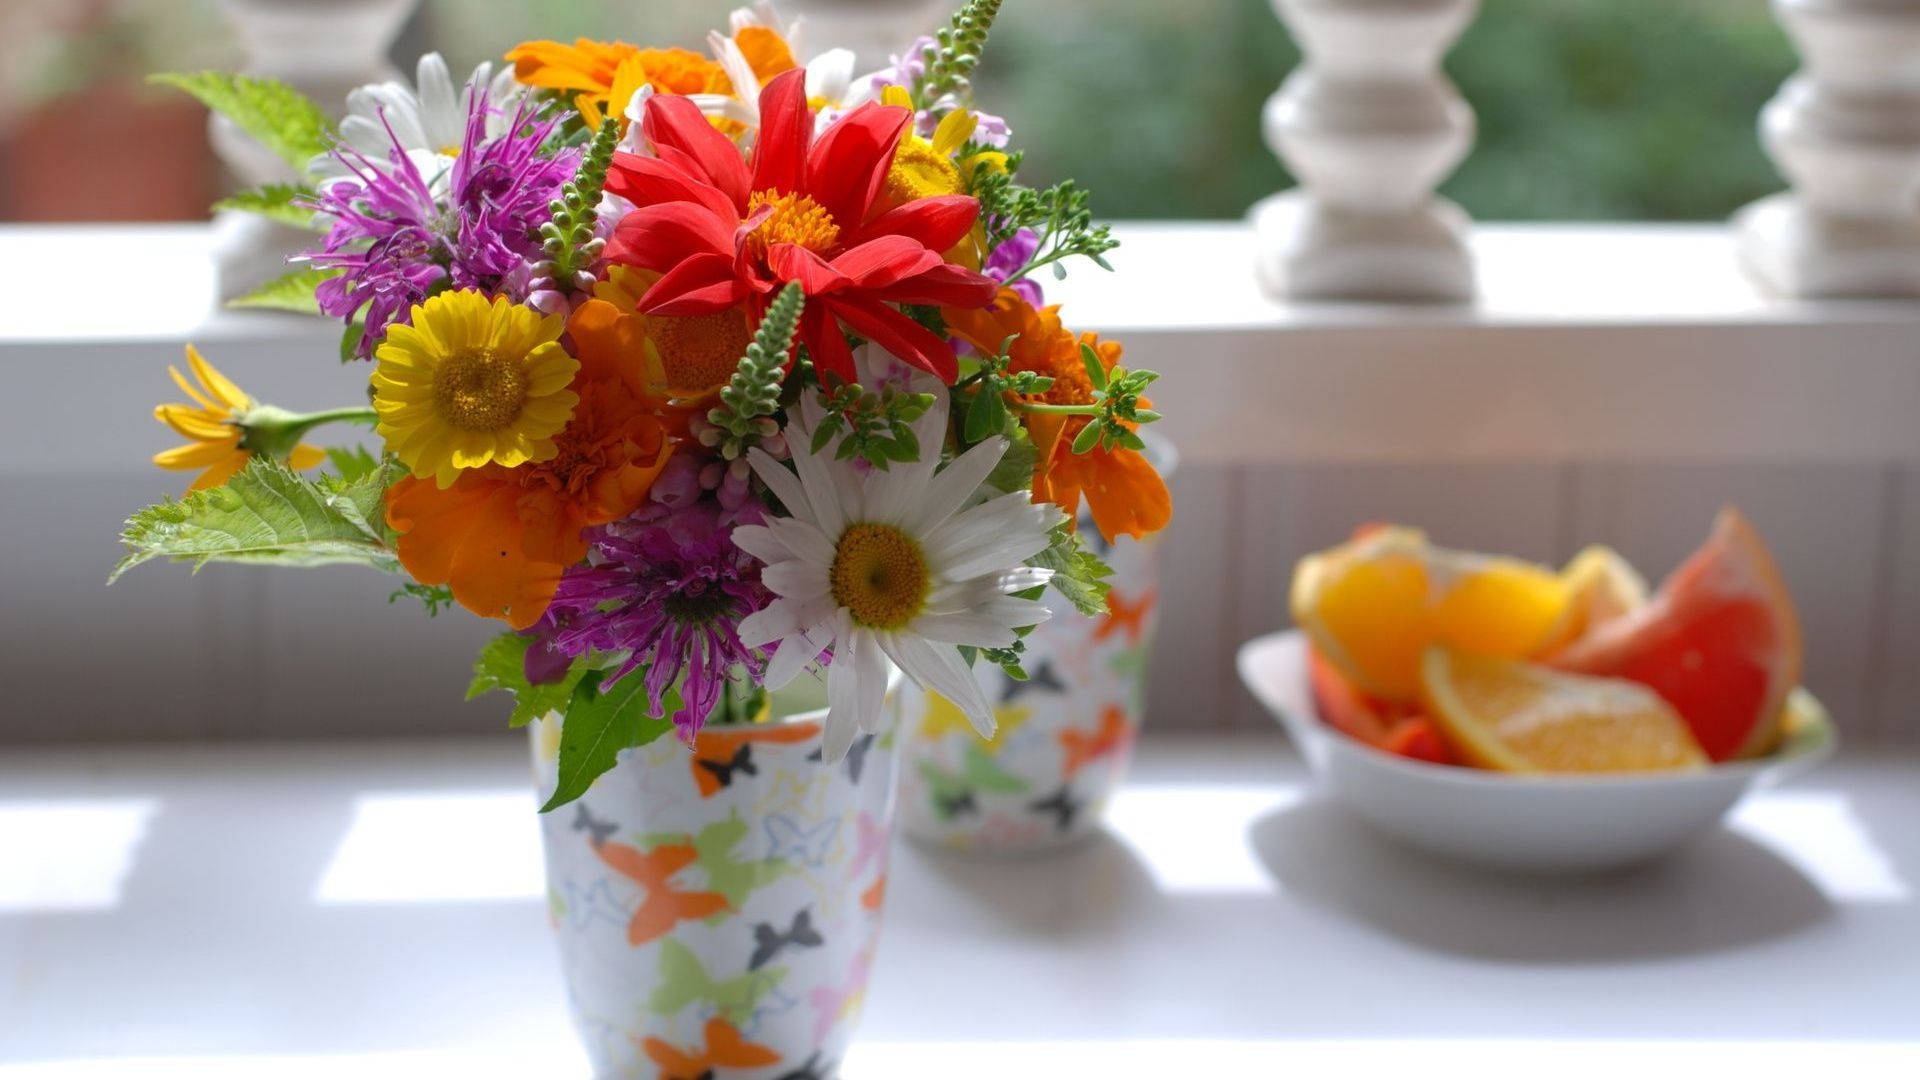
(1588, 109)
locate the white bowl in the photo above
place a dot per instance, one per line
(1502, 820)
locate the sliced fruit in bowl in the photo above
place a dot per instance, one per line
(1495, 710)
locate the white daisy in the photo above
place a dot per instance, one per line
(901, 565)
(428, 120)
(831, 86)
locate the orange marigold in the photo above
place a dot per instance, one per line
(605, 75)
(499, 537)
(1122, 489)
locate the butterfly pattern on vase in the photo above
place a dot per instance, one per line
(768, 940)
(717, 912)
(1063, 734)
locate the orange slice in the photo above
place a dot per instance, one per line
(1720, 642)
(1601, 587)
(1374, 605)
(1519, 717)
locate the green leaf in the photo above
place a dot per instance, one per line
(281, 118)
(1096, 372)
(352, 462)
(982, 414)
(598, 726)
(502, 665)
(275, 202)
(288, 292)
(350, 340)
(1015, 471)
(1078, 574)
(1089, 437)
(266, 514)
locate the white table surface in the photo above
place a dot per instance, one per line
(373, 910)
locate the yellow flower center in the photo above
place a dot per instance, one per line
(879, 576)
(479, 389)
(699, 352)
(920, 172)
(796, 219)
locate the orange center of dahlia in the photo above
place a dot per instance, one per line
(479, 389)
(699, 352)
(795, 219)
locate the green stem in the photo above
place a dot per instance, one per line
(1062, 410)
(355, 414)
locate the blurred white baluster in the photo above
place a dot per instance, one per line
(1370, 125)
(873, 29)
(1845, 131)
(323, 48)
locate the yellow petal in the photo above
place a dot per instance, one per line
(896, 95)
(181, 381)
(221, 471)
(195, 455)
(305, 457)
(195, 424)
(954, 131)
(217, 384)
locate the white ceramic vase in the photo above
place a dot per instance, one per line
(717, 910)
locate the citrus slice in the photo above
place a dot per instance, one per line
(1397, 729)
(1601, 587)
(1720, 641)
(1519, 717)
(1372, 607)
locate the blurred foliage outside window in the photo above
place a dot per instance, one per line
(1588, 109)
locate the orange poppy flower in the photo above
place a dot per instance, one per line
(1125, 494)
(605, 75)
(502, 537)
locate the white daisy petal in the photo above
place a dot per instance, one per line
(796, 651)
(780, 480)
(771, 623)
(823, 491)
(796, 579)
(955, 484)
(762, 542)
(830, 75)
(995, 516)
(804, 540)
(940, 669)
(965, 628)
(870, 682)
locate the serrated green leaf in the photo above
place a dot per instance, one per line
(275, 202)
(1015, 470)
(502, 665)
(598, 726)
(351, 463)
(281, 118)
(1096, 371)
(289, 292)
(1078, 574)
(266, 514)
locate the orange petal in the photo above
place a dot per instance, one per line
(1126, 495)
(766, 52)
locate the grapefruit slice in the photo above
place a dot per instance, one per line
(1601, 587)
(1372, 607)
(1720, 641)
(1519, 717)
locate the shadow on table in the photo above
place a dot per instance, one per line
(1083, 891)
(1722, 891)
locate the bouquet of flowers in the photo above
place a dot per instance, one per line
(699, 372)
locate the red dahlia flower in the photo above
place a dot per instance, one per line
(723, 231)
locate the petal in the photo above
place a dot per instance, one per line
(884, 261)
(699, 285)
(682, 136)
(645, 181)
(221, 387)
(938, 667)
(937, 223)
(795, 580)
(952, 486)
(786, 127)
(803, 538)
(760, 542)
(781, 480)
(658, 237)
(849, 162)
(899, 335)
(946, 284)
(827, 345)
(965, 628)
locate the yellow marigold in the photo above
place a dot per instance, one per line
(604, 75)
(472, 381)
(217, 440)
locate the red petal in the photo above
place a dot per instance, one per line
(938, 222)
(660, 237)
(825, 343)
(644, 181)
(700, 285)
(786, 127)
(900, 336)
(884, 261)
(791, 262)
(682, 136)
(849, 162)
(947, 285)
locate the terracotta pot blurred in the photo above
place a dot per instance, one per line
(113, 152)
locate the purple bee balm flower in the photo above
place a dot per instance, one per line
(668, 584)
(1009, 257)
(399, 232)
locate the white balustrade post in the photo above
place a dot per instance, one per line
(1371, 125)
(1845, 131)
(873, 29)
(323, 48)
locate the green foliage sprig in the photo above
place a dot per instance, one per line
(1059, 215)
(748, 401)
(568, 239)
(955, 53)
(987, 413)
(279, 117)
(877, 424)
(288, 204)
(1117, 393)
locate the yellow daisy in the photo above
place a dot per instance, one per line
(212, 424)
(923, 168)
(472, 381)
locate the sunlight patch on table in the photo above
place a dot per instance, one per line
(69, 854)
(1193, 837)
(1822, 835)
(441, 846)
